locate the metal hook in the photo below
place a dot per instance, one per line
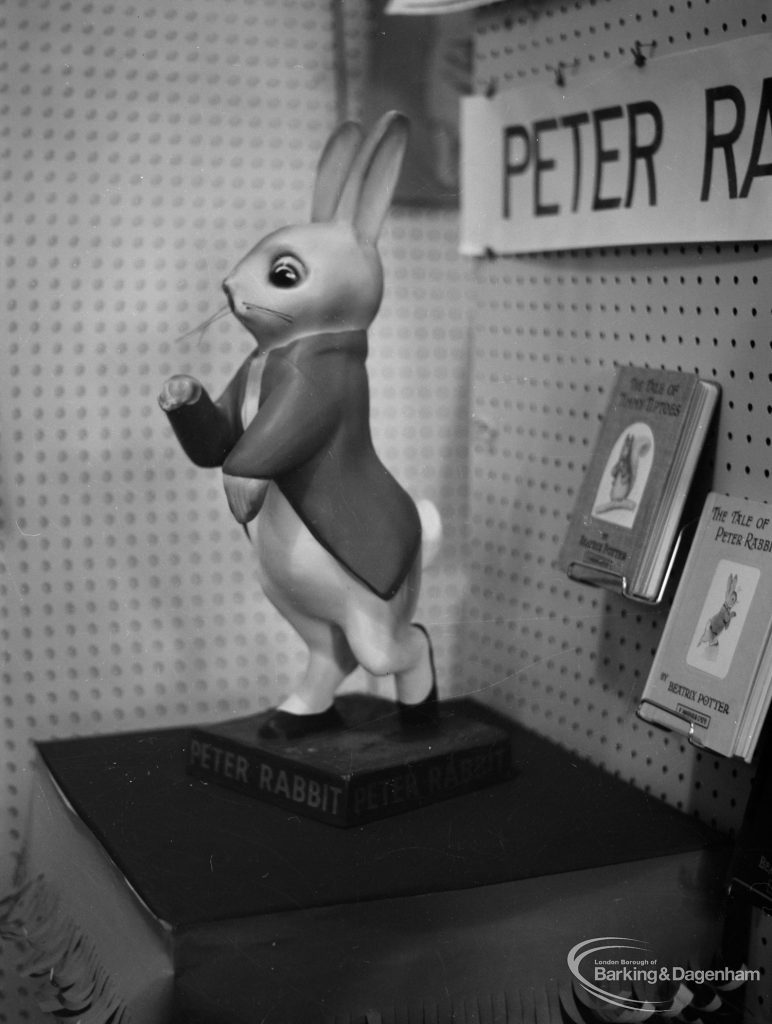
(491, 88)
(639, 57)
(560, 78)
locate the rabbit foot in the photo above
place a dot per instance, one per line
(283, 725)
(426, 713)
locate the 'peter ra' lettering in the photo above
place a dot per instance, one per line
(593, 148)
(725, 105)
(607, 158)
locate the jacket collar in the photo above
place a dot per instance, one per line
(351, 342)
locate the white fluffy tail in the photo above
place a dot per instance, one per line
(431, 531)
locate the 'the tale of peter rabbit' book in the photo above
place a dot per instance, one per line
(624, 528)
(711, 678)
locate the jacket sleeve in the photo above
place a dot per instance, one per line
(295, 420)
(208, 430)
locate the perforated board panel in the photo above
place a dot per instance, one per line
(146, 146)
(568, 660)
(759, 995)
(549, 330)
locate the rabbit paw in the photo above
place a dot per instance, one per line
(245, 496)
(178, 391)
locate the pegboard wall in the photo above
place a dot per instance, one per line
(549, 331)
(146, 147)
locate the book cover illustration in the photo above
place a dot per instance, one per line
(721, 620)
(624, 479)
(708, 673)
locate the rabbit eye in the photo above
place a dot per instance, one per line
(286, 272)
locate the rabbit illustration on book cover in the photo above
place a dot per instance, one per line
(340, 544)
(720, 622)
(623, 475)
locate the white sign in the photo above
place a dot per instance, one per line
(433, 6)
(679, 150)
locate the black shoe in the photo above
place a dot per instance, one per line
(425, 714)
(283, 725)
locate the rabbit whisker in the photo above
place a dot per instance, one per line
(266, 309)
(201, 328)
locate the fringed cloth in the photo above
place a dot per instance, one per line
(58, 958)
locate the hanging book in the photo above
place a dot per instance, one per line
(624, 529)
(711, 677)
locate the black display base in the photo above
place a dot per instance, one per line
(204, 906)
(368, 769)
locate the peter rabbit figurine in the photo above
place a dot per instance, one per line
(338, 541)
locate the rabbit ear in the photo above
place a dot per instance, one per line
(333, 169)
(368, 192)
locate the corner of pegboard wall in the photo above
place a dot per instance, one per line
(549, 329)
